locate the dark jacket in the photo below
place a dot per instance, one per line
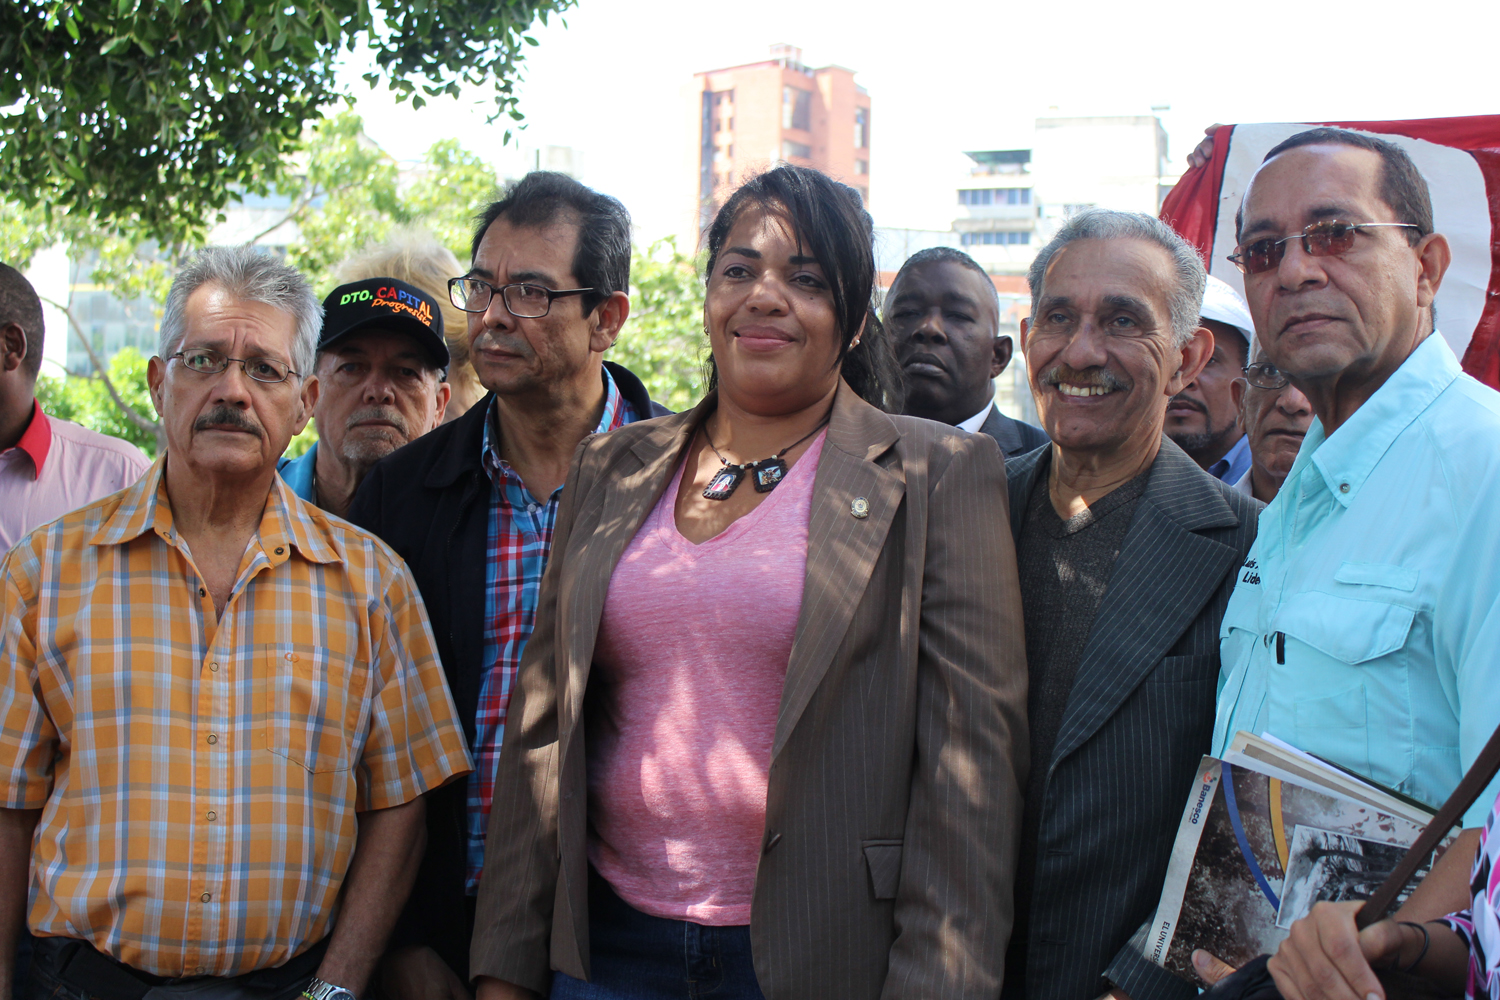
(1139, 717)
(1014, 437)
(429, 501)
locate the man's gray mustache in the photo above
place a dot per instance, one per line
(1102, 377)
(223, 416)
(376, 413)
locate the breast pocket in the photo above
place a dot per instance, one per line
(1330, 713)
(883, 857)
(309, 706)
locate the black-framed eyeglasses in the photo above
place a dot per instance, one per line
(1328, 238)
(522, 299)
(207, 362)
(1264, 375)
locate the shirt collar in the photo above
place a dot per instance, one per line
(1346, 457)
(287, 521)
(36, 442)
(1224, 466)
(490, 445)
(975, 422)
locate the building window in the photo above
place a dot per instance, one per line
(861, 128)
(995, 196)
(796, 108)
(795, 150)
(861, 166)
(994, 239)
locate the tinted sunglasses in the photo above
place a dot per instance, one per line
(1321, 239)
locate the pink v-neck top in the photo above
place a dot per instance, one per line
(687, 678)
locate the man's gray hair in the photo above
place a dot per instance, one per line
(1186, 297)
(248, 273)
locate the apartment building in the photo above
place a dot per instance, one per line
(751, 117)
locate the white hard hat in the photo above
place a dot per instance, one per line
(1223, 303)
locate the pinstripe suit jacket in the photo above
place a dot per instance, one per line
(1139, 717)
(893, 807)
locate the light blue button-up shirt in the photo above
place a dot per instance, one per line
(298, 473)
(1365, 625)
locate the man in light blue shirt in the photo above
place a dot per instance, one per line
(1365, 626)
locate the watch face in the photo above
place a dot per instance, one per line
(339, 993)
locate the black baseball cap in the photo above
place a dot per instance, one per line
(386, 304)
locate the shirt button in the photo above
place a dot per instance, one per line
(212, 815)
(291, 657)
(204, 898)
(202, 592)
(1343, 487)
(531, 508)
(212, 739)
(214, 665)
(279, 550)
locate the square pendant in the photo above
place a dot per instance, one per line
(768, 473)
(724, 483)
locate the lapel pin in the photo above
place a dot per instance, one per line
(860, 508)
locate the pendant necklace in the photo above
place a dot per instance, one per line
(767, 473)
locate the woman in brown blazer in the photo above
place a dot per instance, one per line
(769, 735)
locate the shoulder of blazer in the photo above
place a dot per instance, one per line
(929, 445)
(1021, 473)
(1197, 501)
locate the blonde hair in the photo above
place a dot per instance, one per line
(415, 257)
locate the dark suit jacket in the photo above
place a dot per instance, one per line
(1014, 437)
(893, 805)
(429, 502)
(1139, 718)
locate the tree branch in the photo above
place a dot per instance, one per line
(149, 426)
(293, 214)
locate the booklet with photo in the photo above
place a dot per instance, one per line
(1267, 832)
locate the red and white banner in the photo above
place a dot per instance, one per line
(1460, 157)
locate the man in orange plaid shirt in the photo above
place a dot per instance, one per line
(219, 707)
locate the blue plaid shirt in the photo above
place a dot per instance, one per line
(519, 540)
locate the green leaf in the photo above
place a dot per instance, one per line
(179, 104)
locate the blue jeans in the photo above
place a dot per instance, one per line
(635, 956)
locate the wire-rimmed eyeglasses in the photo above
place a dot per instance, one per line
(522, 299)
(1264, 375)
(207, 362)
(1328, 238)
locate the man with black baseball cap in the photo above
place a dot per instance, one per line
(381, 383)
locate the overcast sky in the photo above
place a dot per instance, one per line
(947, 76)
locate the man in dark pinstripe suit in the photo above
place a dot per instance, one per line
(1127, 553)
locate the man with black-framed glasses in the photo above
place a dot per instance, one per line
(471, 505)
(1364, 624)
